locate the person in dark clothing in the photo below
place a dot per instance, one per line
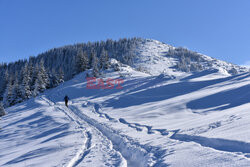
(66, 99)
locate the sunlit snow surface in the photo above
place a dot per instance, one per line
(185, 119)
(151, 56)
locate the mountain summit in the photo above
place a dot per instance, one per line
(156, 57)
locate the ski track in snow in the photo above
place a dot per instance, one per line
(84, 150)
(135, 154)
(132, 152)
(231, 146)
(115, 157)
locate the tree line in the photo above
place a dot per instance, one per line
(24, 79)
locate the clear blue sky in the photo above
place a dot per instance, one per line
(217, 28)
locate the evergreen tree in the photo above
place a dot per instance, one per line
(42, 80)
(104, 60)
(26, 84)
(81, 61)
(16, 96)
(39, 86)
(92, 55)
(54, 79)
(95, 65)
(2, 111)
(61, 75)
(31, 71)
(85, 61)
(233, 71)
(34, 78)
(7, 98)
(4, 82)
(43, 74)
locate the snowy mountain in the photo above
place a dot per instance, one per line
(174, 108)
(156, 57)
(24, 79)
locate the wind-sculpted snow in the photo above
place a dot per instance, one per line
(240, 96)
(215, 143)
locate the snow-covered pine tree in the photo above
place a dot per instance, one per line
(233, 71)
(95, 67)
(81, 61)
(92, 55)
(16, 92)
(34, 78)
(7, 97)
(2, 111)
(31, 69)
(39, 86)
(73, 67)
(61, 75)
(104, 60)
(42, 80)
(85, 61)
(54, 79)
(184, 64)
(26, 83)
(3, 83)
(43, 74)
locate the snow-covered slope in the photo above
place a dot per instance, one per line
(155, 57)
(199, 119)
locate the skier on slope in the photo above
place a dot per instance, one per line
(66, 99)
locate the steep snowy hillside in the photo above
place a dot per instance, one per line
(155, 57)
(199, 119)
